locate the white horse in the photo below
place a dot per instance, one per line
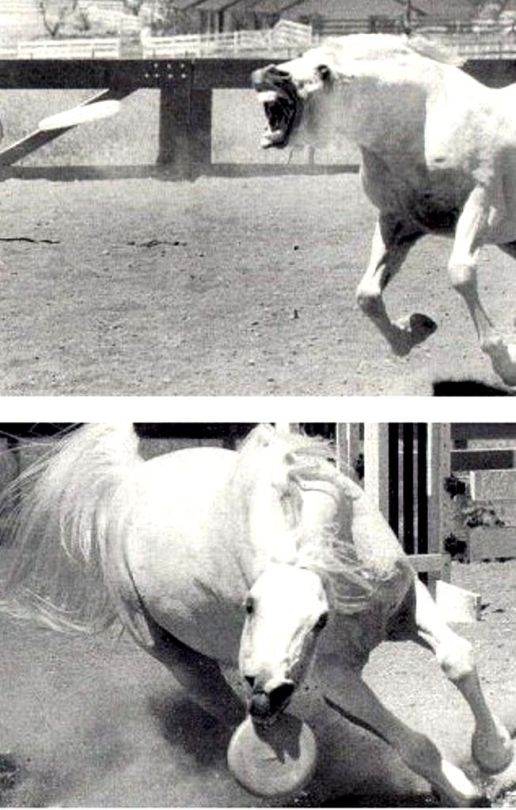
(438, 156)
(267, 559)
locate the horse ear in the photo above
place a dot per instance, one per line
(261, 436)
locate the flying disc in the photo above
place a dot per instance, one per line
(80, 115)
(275, 760)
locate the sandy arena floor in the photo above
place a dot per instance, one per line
(97, 722)
(221, 286)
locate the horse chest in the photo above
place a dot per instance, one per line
(432, 213)
(431, 198)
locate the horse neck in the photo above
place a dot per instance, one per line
(270, 536)
(389, 97)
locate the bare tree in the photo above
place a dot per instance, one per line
(168, 20)
(133, 6)
(58, 13)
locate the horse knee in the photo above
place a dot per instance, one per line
(369, 302)
(463, 276)
(456, 659)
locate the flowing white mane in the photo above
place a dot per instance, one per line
(52, 569)
(309, 464)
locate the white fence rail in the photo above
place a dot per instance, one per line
(284, 35)
(69, 49)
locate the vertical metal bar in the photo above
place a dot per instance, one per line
(422, 492)
(394, 478)
(439, 524)
(408, 488)
(422, 489)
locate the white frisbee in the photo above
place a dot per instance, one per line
(273, 761)
(80, 115)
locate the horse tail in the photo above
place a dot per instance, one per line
(55, 519)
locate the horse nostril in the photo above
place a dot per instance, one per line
(263, 78)
(250, 679)
(279, 696)
(260, 705)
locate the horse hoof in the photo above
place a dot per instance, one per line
(503, 358)
(482, 801)
(411, 331)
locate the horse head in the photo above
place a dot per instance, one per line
(287, 92)
(286, 610)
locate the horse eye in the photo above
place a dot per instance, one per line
(321, 622)
(249, 605)
(324, 72)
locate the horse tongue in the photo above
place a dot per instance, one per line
(272, 760)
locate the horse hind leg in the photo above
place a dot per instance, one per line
(391, 243)
(491, 743)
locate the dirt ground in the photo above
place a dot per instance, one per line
(224, 286)
(96, 722)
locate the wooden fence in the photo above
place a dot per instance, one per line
(100, 48)
(485, 456)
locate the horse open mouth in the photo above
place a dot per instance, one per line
(281, 103)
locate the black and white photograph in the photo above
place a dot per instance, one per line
(257, 516)
(208, 614)
(211, 197)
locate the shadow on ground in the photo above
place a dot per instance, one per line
(469, 388)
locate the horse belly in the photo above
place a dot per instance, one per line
(431, 198)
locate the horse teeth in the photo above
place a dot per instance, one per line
(267, 96)
(271, 137)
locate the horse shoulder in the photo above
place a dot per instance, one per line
(382, 186)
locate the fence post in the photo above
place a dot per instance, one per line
(438, 469)
(376, 468)
(185, 125)
(347, 441)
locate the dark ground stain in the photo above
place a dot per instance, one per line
(11, 773)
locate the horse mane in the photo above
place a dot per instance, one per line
(433, 50)
(381, 46)
(52, 518)
(309, 464)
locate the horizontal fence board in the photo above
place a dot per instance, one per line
(429, 563)
(489, 484)
(492, 543)
(497, 459)
(467, 430)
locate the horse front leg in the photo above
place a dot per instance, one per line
(391, 243)
(491, 743)
(347, 694)
(199, 675)
(469, 236)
